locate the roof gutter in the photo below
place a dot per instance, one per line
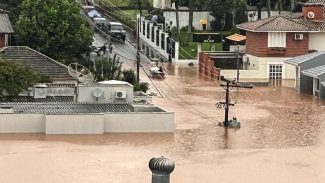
(277, 31)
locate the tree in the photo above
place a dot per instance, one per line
(225, 12)
(11, 6)
(54, 28)
(14, 78)
(130, 77)
(107, 69)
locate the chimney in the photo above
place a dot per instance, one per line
(161, 169)
(259, 11)
(313, 11)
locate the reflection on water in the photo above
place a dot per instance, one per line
(106, 139)
(272, 118)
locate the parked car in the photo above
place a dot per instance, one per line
(87, 9)
(99, 21)
(91, 11)
(115, 29)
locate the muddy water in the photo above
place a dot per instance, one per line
(281, 140)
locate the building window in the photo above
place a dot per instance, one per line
(275, 71)
(276, 39)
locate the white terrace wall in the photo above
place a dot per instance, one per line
(86, 95)
(156, 42)
(161, 4)
(139, 122)
(184, 18)
(22, 123)
(253, 15)
(259, 68)
(75, 124)
(87, 123)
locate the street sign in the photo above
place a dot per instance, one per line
(207, 37)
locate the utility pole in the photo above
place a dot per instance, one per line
(238, 65)
(230, 84)
(138, 43)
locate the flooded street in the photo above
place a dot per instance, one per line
(281, 140)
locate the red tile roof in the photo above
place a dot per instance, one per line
(315, 2)
(277, 23)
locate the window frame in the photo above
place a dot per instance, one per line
(276, 40)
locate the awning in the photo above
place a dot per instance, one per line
(236, 37)
(296, 61)
(314, 72)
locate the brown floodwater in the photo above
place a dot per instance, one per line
(281, 139)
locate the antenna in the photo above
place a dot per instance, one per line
(80, 73)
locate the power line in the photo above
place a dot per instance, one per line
(190, 106)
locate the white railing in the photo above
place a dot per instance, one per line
(154, 36)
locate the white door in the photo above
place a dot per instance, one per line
(275, 71)
(275, 74)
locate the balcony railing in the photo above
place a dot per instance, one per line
(276, 51)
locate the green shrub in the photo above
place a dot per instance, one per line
(136, 87)
(129, 76)
(144, 86)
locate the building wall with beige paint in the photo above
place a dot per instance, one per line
(260, 68)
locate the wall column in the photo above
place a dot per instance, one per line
(199, 49)
(176, 51)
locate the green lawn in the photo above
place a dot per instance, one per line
(188, 49)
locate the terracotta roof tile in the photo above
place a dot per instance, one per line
(236, 37)
(276, 23)
(315, 2)
(38, 62)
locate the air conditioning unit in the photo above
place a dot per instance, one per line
(311, 15)
(120, 94)
(299, 36)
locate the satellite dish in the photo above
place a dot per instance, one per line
(80, 73)
(98, 93)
